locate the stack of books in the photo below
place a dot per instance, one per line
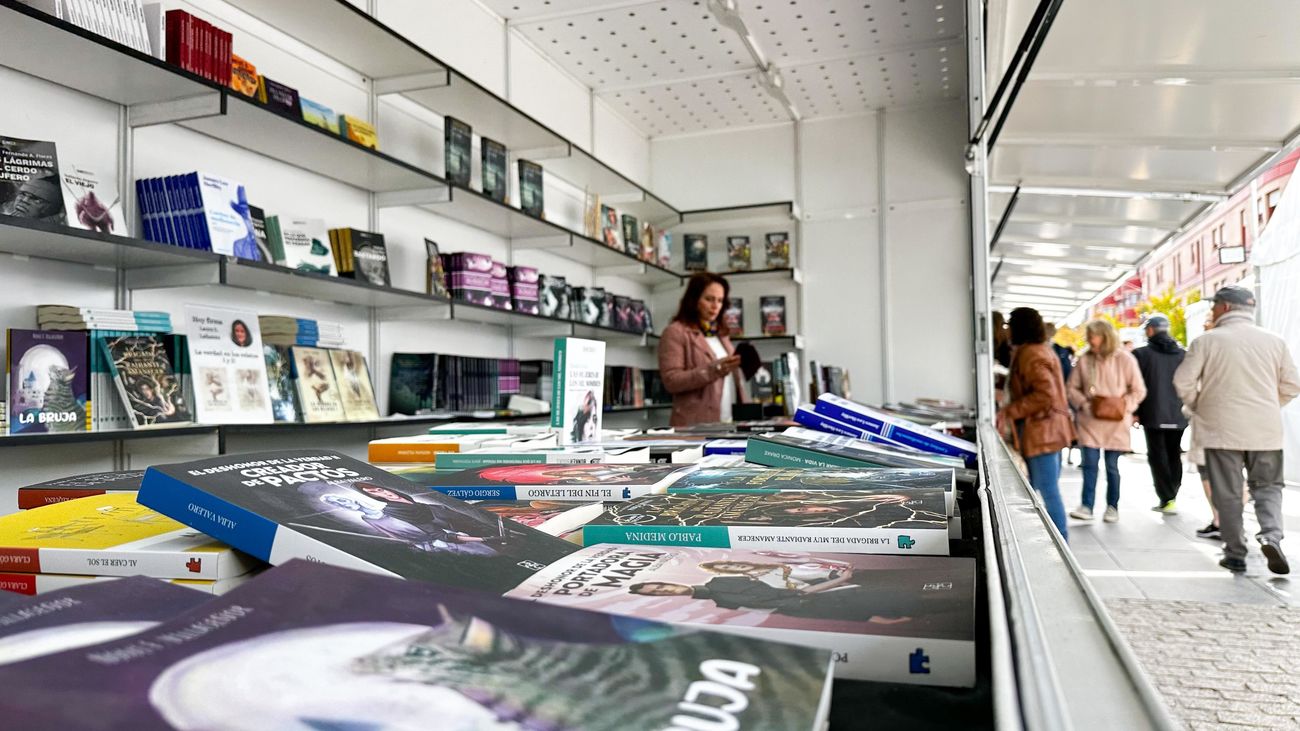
(198, 210)
(523, 290)
(69, 317)
(196, 45)
(285, 330)
(360, 255)
(123, 21)
(469, 277)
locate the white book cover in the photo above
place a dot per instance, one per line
(577, 399)
(229, 370)
(226, 217)
(92, 201)
(307, 245)
(155, 27)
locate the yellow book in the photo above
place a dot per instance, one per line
(112, 535)
(422, 448)
(359, 131)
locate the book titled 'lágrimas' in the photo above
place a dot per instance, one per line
(458, 138)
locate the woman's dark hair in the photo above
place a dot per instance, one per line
(234, 334)
(688, 310)
(1026, 326)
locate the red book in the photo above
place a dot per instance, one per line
(204, 48)
(175, 37)
(223, 64)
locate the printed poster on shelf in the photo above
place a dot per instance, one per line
(229, 368)
(576, 401)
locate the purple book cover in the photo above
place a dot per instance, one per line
(48, 383)
(33, 626)
(313, 647)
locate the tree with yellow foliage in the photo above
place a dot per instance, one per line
(1172, 307)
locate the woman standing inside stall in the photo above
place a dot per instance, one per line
(697, 363)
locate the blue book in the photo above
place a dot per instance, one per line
(898, 429)
(724, 446)
(571, 482)
(145, 205)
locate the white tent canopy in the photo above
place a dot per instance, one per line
(1277, 256)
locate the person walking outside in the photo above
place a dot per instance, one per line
(1161, 412)
(1037, 414)
(1235, 380)
(1105, 389)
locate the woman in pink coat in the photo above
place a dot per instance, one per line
(1106, 369)
(696, 360)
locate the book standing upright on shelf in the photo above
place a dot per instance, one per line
(411, 383)
(359, 131)
(530, 189)
(229, 365)
(353, 379)
(319, 115)
(279, 380)
(31, 187)
(778, 250)
(739, 256)
(733, 317)
(772, 309)
(49, 381)
(697, 252)
(609, 227)
(631, 235)
(318, 389)
(435, 277)
(92, 201)
(146, 381)
(576, 405)
(458, 139)
(664, 248)
(301, 243)
(496, 183)
(277, 97)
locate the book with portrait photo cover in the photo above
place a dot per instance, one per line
(901, 619)
(322, 647)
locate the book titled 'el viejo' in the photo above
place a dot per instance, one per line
(905, 521)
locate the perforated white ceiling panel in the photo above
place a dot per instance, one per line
(671, 66)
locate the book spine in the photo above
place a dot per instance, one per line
(28, 499)
(116, 562)
(706, 536)
(768, 454)
(822, 422)
(144, 203)
(468, 461)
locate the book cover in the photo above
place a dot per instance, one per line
(568, 482)
(279, 98)
(552, 517)
(318, 391)
(609, 228)
(913, 521)
(359, 131)
(92, 201)
(491, 457)
(749, 478)
(146, 381)
(577, 399)
(257, 218)
(631, 235)
(649, 246)
(772, 309)
(42, 584)
(496, 183)
(227, 226)
(530, 189)
(805, 448)
(905, 619)
(591, 215)
(697, 252)
(305, 244)
(319, 115)
(331, 508)
(895, 428)
(80, 616)
(778, 250)
(49, 381)
(410, 383)
(73, 487)
(112, 535)
(355, 391)
(423, 657)
(664, 248)
(30, 188)
(435, 278)
(733, 318)
(458, 141)
(279, 381)
(424, 449)
(243, 76)
(739, 257)
(229, 366)
(369, 257)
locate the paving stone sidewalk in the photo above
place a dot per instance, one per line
(1220, 667)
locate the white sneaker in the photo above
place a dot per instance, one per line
(1112, 514)
(1081, 513)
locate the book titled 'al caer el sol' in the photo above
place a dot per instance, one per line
(847, 521)
(887, 618)
(307, 646)
(327, 507)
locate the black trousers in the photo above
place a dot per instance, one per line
(1165, 455)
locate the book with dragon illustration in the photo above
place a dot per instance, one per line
(49, 381)
(580, 482)
(318, 389)
(901, 619)
(146, 381)
(353, 379)
(73, 487)
(229, 366)
(911, 521)
(112, 535)
(328, 507)
(767, 479)
(65, 619)
(323, 647)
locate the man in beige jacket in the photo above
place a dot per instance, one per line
(1234, 381)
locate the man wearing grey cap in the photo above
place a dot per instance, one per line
(1234, 382)
(1161, 412)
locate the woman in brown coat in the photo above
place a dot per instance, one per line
(1105, 370)
(1038, 413)
(696, 360)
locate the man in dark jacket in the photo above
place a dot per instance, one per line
(1161, 412)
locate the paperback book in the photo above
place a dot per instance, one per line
(355, 391)
(277, 97)
(78, 486)
(258, 218)
(423, 657)
(530, 189)
(301, 243)
(411, 383)
(279, 381)
(576, 408)
(112, 535)
(229, 366)
(92, 201)
(493, 457)
(458, 140)
(748, 478)
(243, 76)
(609, 228)
(895, 428)
(435, 277)
(319, 115)
(146, 382)
(649, 246)
(911, 521)
(496, 183)
(553, 517)
(739, 257)
(733, 317)
(30, 188)
(664, 248)
(806, 448)
(49, 381)
(331, 508)
(631, 235)
(697, 252)
(772, 310)
(568, 482)
(778, 250)
(40, 584)
(359, 131)
(318, 389)
(902, 619)
(369, 256)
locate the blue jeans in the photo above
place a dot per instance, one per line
(1090, 459)
(1044, 475)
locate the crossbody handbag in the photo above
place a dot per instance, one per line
(1104, 408)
